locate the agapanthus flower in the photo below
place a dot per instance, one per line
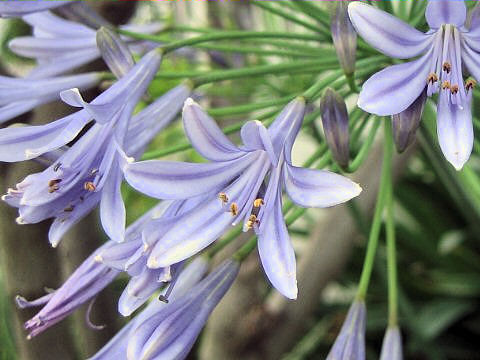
(91, 277)
(443, 50)
(132, 257)
(85, 283)
(238, 184)
(116, 348)
(350, 342)
(19, 95)
(16, 8)
(171, 332)
(90, 171)
(392, 345)
(60, 45)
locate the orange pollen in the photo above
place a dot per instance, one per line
(234, 209)
(54, 182)
(447, 67)
(251, 221)
(432, 78)
(454, 89)
(258, 202)
(222, 196)
(470, 84)
(69, 208)
(89, 186)
(446, 85)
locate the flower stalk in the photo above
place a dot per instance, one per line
(377, 217)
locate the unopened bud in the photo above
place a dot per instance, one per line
(114, 52)
(335, 126)
(405, 124)
(344, 37)
(82, 12)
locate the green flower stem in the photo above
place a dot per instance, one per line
(255, 50)
(220, 35)
(365, 149)
(288, 16)
(221, 75)
(391, 259)
(246, 108)
(337, 77)
(377, 217)
(314, 12)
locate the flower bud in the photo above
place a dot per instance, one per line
(392, 345)
(114, 52)
(335, 125)
(82, 12)
(344, 37)
(406, 123)
(350, 342)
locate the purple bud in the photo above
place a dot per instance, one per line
(392, 345)
(406, 123)
(344, 37)
(335, 125)
(350, 343)
(114, 52)
(83, 13)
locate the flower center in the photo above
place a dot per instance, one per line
(446, 67)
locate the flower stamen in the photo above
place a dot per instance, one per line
(258, 202)
(252, 220)
(454, 89)
(446, 85)
(223, 197)
(89, 186)
(447, 67)
(470, 84)
(432, 78)
(234, 209)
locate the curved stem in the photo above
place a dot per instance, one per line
(377, 217)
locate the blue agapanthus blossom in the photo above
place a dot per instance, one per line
(90, 171)
(239, 184)
(16, 8)
(444, 50)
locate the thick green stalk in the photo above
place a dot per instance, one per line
(377, 217)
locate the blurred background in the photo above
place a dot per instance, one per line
(438, 224)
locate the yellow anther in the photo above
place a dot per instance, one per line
(234, 209)
(432, 78)
(69, 208)
(447, 67)
(258, 202)
(252, 220)
(470, 84)
(89, 186)
(454, 89)
(222, 196)
(446, 85)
